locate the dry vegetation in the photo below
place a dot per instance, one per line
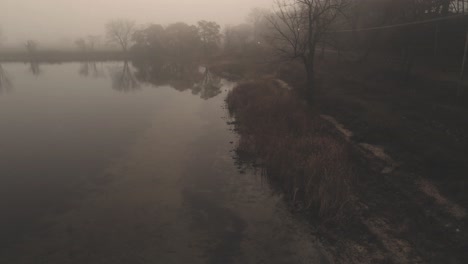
(299, 152)
(412, 214)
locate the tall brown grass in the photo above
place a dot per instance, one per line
(301, 153)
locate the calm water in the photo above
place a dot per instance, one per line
(111, 163)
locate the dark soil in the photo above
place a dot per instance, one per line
(418, 212)
(423, 126)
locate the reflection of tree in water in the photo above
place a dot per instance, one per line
(123, 80)
(181, 76)
(209, 86)
(91, 69)
(34, 68)
(178, 75)
(5, 82)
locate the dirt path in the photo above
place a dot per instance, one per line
(401, 217)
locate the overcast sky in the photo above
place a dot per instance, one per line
(51, 21)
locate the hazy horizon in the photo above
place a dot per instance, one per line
(50, 22)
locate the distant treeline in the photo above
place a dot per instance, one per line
(62, 56)
(363, 26)
(184, 41)
(178, 41)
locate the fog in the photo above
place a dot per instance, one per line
(233, 131)
(61, 21)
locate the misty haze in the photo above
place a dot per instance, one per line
(233, 131)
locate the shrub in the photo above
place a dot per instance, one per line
(301, 154)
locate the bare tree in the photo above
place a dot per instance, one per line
(81, 44)
(120, 31)
(238, 38)
(5, 82)
(88, 43)
(93, 41)
(299, 25)
(1, 35)
(258, 19)
(209, 33)
(31, 46)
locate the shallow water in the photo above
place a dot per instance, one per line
(108, 163)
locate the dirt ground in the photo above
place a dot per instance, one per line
(415, 212)
(411, 143)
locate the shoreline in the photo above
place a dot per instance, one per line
(396, 215)
(64, 56)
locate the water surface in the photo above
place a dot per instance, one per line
(111, 163)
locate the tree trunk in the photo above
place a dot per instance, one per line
(322, 54)
(445, 7)
(309, 60)
(310, 72)
(310, 84)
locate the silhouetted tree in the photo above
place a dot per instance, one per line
(258, 18)
(31, 46)
(149, 41)
(1, 36)
(93, 41)
(88, 43)
(209, 34)
(81, 44)
(238, 38)
(120, 32)
(5, 82)
(299, 25)
(182, 41)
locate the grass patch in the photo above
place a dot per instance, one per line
(301, 154)
(419, 122)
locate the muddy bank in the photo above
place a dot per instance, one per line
(391, 215)
(399, 217)
(300, 153)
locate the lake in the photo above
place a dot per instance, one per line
(116, 162)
